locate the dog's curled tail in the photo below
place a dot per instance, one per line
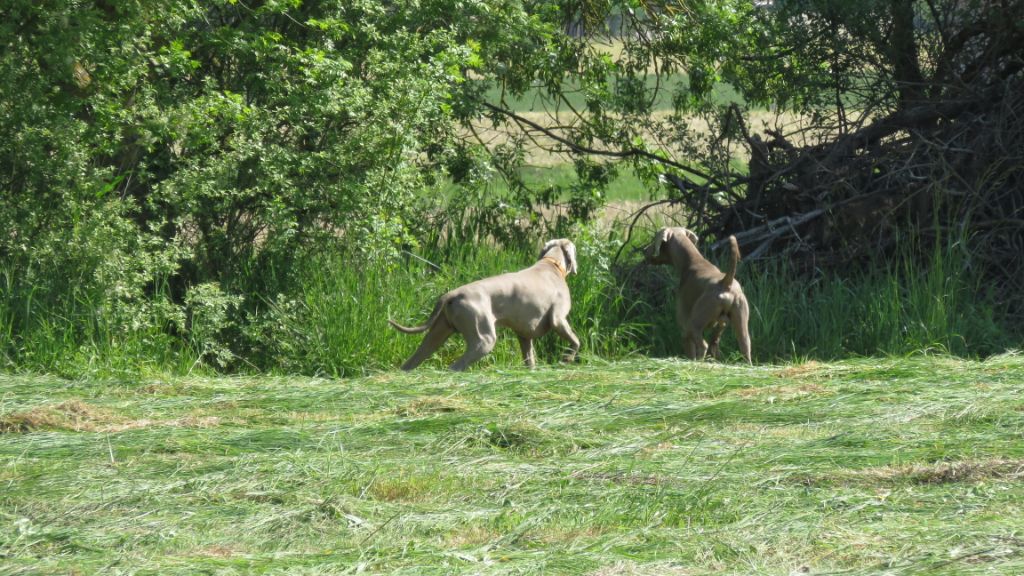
(430, 322)
(731, 274)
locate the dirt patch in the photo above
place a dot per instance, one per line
(471, 536)
(73, 415)
(79, 416)
(303, 416)
(775, 393)
(936, 473)
(427, 405)
(217, 551)
(184, 422)
(634, 569)
(799, 370)
(946, 472)
(621, 478)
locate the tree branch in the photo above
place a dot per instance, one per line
(580, 149)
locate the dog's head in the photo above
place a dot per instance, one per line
(562, 250)
(654, 254)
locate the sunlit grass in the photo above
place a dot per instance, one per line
(901, 466)
(335, 321)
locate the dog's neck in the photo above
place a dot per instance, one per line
(684, 254)
(558, 265)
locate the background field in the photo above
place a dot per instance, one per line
(899, 466)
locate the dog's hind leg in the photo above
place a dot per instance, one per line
(716, 336)
(739, 316)
(476, 348)
(478, 329)
(439, 332)
(705, 313)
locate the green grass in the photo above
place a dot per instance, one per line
(344, 330)
(335, 322)
(624, 187)
(873, 466)
(897, 307)
(535, 99)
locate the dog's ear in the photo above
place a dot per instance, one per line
(660, 238)
(689, 234)
(570, 257)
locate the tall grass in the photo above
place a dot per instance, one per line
(346, 308)
(334, 321)
(76, 329)
(918, 302)
(911, 304)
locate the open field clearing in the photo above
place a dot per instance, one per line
(538, 148)
(894, 466)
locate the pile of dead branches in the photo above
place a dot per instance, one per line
(943, 168)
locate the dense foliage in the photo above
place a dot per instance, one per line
(241, 134)
(164, 158)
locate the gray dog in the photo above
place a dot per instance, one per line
(531, 302)
(707, 298)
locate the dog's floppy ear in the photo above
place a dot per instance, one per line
(660, 238)
(570, 257)
(568, 251)
(689, 234)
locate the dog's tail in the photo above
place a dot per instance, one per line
(731, 274)
(429, 323)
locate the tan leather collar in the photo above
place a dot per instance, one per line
(557, 264)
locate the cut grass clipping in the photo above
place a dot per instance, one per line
(894, 466)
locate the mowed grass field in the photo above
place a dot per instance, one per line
(870, 466)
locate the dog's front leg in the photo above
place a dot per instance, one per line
(689, 347)
(563, 329)
(526, 345)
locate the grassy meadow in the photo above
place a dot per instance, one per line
(907, 465)
(184, 394)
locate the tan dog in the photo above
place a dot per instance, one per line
(531, 302)
(706, 298)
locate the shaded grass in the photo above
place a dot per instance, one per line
(901, 466)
